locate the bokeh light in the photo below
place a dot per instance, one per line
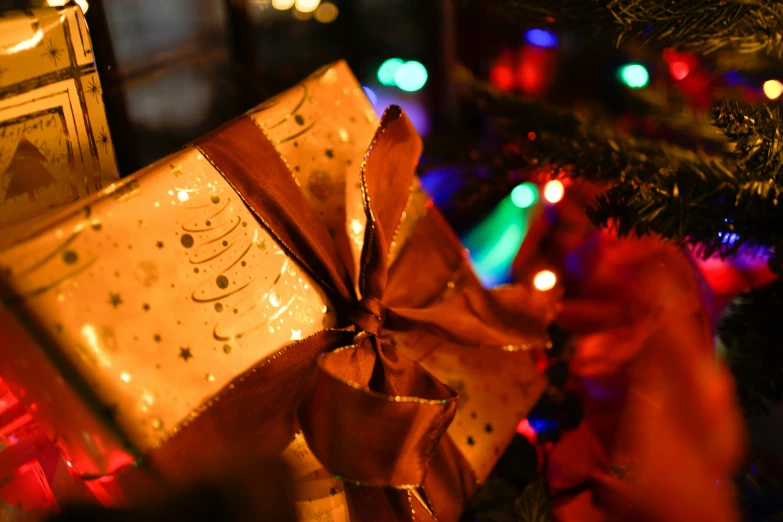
(524, 195)
(57, 3)
(326, 13)
(302, 16)
(679, 70)
(541, 38)
(282, 5)
(411, 76)
(307, 6)
(554, 191)
(773, 89)
(502, 77)
(387, 71)
(635, 76)
(370, 95)
(545, 280)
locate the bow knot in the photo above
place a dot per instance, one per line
(369, 315)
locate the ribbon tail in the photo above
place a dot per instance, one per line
(377, 419)
(375, 416)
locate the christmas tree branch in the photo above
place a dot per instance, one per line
(717, 202)
(702, 26)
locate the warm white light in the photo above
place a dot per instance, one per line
(307, 6)
(773, 89)
(554, 191)
(125, 376)
(58, 3)
(283, 5)
(326, 13)
(90, 335)
(545, 280)
(183, 196)
(356, 226)
(26, 44)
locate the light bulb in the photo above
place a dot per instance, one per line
(773, 89)
(410, 76)
(307, 6)
(524, 195)
(326, 13)
(635, 76)
(545, 280)
(283, 5)
(554, 191)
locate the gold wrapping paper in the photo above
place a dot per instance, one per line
(55, 145)
(154, 294)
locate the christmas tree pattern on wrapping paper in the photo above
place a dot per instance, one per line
(233, 260)
(27, 172)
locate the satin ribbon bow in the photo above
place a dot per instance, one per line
(370, 414)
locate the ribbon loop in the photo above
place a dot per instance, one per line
(375, 417)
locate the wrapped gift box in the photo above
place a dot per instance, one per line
(55, 145)
(125, 316)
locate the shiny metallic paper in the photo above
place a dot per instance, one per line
(130, 311)
(55, 145)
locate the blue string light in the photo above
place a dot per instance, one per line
(541, 38)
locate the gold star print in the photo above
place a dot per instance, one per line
(103, 139)
(114, 299)
(141, 222)
(52, 52)
(333, 491)
(177, 171)
(296, 335)
(488, 428)
(185, 354)
(94, 88)
(159, 244)
(329, 153)
(471, 441)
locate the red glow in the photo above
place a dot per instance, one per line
(526, 430)
(670, 55)
(531, 136)
(530, 78)
(679, 70)
(535, 69)
(502, 77)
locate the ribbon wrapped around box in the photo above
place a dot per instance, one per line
(206, 311)
(55, 145)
